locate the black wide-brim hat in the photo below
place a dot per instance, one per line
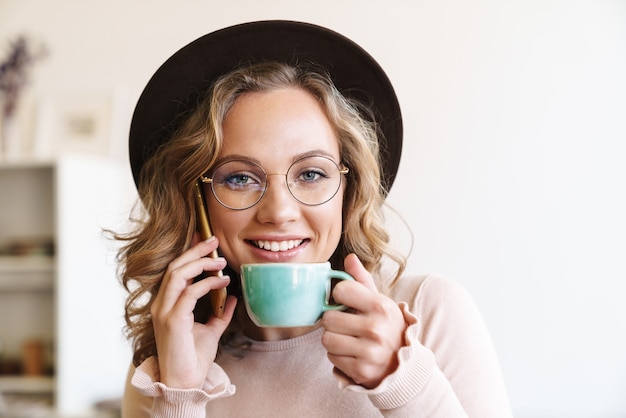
(174, 89)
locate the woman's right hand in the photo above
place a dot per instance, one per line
(186, 348)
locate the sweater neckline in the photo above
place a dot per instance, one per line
(288, 344)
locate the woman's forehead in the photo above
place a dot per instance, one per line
(287, 123)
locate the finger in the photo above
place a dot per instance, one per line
(376, 315)
(362, 373)
(350, 355)
(364, 362)
(191, 294)
(367, 328)
(354, 295)
(196, 252)
(355, 268)
(199, 250)
(229, 311)
(177, 280)
(345, 323)
(341, 344)
(214, 328)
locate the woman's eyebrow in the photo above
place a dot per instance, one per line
(233, 157)
(314, 153)
(311, 153)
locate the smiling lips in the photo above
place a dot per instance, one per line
(276, 246)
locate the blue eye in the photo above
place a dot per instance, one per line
(241, 181)
(311, 175)
(237, 179)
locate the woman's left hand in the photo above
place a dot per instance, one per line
(363, 343)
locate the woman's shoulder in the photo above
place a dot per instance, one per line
(409, 287)
(431, 291)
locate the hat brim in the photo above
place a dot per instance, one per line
(175, 87)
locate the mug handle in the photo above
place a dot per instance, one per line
(335, 274)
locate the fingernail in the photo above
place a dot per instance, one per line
(211, 238)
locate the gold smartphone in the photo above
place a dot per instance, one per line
(216, 296)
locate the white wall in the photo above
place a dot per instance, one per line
(512, 177)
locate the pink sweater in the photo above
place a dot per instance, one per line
(448, 369)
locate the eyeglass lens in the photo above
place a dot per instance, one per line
(240, 184)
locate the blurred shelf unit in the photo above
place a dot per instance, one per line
(26, 384)
(57, 281)
(26, 273)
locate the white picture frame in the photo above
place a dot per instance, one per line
(73, 123)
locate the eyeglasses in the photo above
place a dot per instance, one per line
(241, 184)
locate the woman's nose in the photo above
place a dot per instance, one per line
(277, 206)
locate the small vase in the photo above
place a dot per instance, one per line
(10, 136)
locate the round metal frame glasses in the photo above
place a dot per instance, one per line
(241, 184)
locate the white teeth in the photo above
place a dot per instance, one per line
(276, 246)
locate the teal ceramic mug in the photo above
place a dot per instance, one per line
(288, 294)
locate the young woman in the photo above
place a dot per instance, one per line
(275, 103)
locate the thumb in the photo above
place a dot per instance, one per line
(355, 268)
(221, 324)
